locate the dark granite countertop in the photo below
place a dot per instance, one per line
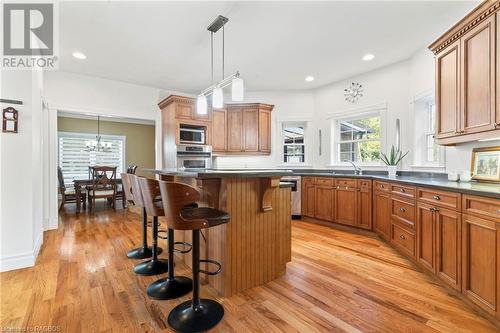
(438, 181)
(222, 173)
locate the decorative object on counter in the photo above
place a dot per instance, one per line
(465, 176)
(453, 176)
(485, 164)
(392, 160)
(216, 89)
(354, 92)
(10, 120)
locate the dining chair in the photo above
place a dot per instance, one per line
(68, 195)
(103, 185)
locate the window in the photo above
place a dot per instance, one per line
(75, 158)
(293, 144)
(359, 139)
(432, 150)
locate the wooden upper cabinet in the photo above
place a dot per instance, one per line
(448, 91)
(234, 130)
(265, 130)
(251, 130)
(219, 126)
(478, 78)
(467, 69)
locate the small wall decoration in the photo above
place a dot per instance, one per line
(486, 164)
(10, 119)
(354, 92)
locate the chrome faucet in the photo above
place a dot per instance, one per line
(357, 170)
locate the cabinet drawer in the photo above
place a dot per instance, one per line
(439, 198)
(404, 190)
(404, 212)
(381, 186)
(364, 183)
(483, 207)
(346, 182)
(308, 180)
(324, 181)
(403, 239)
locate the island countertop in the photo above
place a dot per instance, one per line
(222, 173)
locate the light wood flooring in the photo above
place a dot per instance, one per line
(337, 282)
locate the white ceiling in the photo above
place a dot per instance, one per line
(273, 44)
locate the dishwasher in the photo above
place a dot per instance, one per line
(296, 195)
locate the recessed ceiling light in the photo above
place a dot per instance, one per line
(79, 55)
(309, 78)
(368, 57)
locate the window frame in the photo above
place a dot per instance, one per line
(92, 136)
(336, 119)
(307, 145)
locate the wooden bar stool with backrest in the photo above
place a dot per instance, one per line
(144, 251)
(173, 286)
(195, 315)
(155, 265)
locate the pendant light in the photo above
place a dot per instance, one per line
(217, 89)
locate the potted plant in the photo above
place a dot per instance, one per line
(392, 160)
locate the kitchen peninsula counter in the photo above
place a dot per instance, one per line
(255, 245)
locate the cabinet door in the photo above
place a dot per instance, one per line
(251, 130)
(364, 218)
(219, 143)
(184, 111)
(448, 247)
(382, 214)
(448, 91)
(345, 205)
(308, 200)
(478, 79)
(480, 262)
(265, 131)
(426, 237)
(234, 130)
(324, 203)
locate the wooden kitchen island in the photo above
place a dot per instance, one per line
(255, 245)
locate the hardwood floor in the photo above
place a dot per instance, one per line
(337, 282)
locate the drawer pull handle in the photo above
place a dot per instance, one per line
(436, 197)
(402, 237)
(498, 211)
(434, 209)
(402, 209)
(402, 190)
(382, 186)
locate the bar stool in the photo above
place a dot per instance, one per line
(173, 286)
(155, 265)
(144, 251)
(195, 315)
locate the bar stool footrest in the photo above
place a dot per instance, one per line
(213, 262)
(162, 232)
(186, 244)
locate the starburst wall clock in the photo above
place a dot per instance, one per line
(354, 92)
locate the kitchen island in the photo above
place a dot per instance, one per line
(255, 245)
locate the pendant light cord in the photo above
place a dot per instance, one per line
(212, 54)
(223, 40)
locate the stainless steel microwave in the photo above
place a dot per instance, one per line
(191, 135)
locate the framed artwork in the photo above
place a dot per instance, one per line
(486, 164)
(9, 120)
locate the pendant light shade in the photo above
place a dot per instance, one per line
(201, 105)
(217, 98)
(237, 89)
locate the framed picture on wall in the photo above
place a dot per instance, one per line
(486, 164)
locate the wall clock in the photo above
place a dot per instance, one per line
(354, 92)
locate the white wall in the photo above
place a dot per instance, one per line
(21, 208)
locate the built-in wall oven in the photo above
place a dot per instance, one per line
(191, 135)
(194, 156)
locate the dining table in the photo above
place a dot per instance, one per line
(79, 183)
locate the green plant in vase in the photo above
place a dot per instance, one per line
(392, 160)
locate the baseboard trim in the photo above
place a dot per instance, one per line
(22, 260)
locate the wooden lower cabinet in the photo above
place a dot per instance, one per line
(308, 199)
(426, 237)
(364, 211)
(449, 247)
(481, 263)
(382, 214)
(324, 202)
(346, 205)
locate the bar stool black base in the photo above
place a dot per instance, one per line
(151, 267)
(187, 318)
(142, 253)
(166, 288)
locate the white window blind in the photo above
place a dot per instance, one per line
(75, 158)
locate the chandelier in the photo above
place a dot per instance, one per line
(98, 144)
(216, 89)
